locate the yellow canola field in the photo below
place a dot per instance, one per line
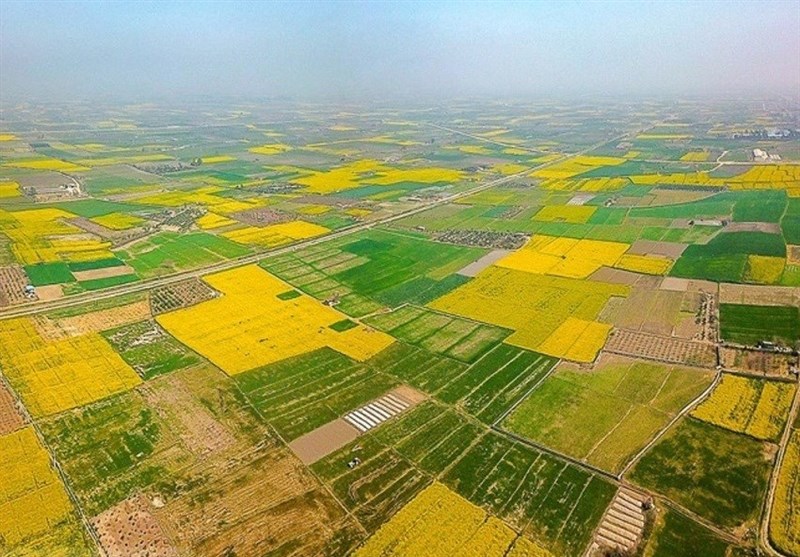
(217, 159)
(762, 269)
(202, 196)
(784, 525)
(585, 184)
(313, 209)
(564, 257)
(439, 522)
(9, 189)
(371, 172)
(695, 156)
(276, 234)
(7, 137)
(210, 221)
(774, 176)
(532, 305)
(565, 213)
(645, 264)
(118, 221)
(55, 375)
(32, 498)
(576, 339)
(510, 168)
(46, 164)
(249, 326)
(270, 149)
(41, 236)
(752, 406)
(576, 165)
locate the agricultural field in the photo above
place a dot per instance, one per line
(720, 475)
(493, 329)
(752, 406)
(606, 416)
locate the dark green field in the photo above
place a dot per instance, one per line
(747, 324)
(720, 475)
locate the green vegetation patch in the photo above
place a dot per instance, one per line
(170, 252)
(679, 536)
(289, 295)
(724, 257)
(749, 324)
(343, 325)
(90, 208)
(149, 350)
(42, 274)
(606, 416)
(302, 393)
(720, 475)
(97, 284)
(77, 266)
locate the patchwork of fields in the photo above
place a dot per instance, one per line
(535, 332)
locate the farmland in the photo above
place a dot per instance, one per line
(523, 330)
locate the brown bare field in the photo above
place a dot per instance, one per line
(12, 285)
(651, 311)
(49, 292)
(92, 322)
(759, 295)
(793, 255)
(615, 276)
(94, 274)
(10, 417)
(264, 503)
(671, 250)
(128, 529)
(666, 196)
(757, 362)
(261, 216)
(322, 441)
(197, 428)
(771, 227)
(660, 348)
(180, 295)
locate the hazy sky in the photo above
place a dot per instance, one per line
(355, 50)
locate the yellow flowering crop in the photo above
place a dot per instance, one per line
(565, 213)
(438, 522)
(55, 375)
(576, 165)
(249, 326)
(32, 498)
(532, 305)
(9, 189)
(578, 340)
(218, 159)
(784, 525)
(752, 406)
(646, 264)
(46, 164)
(7, 137)
(565, 257)
(695, 156)
(212, 220)
(270, 149)
(276, 234)
(118, 221)
(762, 269)
(42, 235)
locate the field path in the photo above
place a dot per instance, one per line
(765, 542)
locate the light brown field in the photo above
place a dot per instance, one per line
(94, 274)
(128, 529)
(10, 417)
(263, 503)
(759, 295)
